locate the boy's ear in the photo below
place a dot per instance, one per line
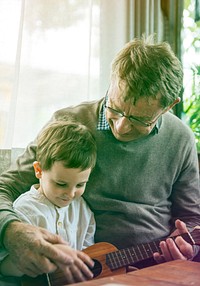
(38, 170)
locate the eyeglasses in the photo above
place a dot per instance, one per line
(131, 118)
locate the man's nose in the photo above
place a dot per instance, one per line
(123, 125)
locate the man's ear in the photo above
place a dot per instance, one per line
(176, 101)
(38, 170)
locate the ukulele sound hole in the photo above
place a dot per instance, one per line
(97, 268)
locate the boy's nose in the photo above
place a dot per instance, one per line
(70, 193)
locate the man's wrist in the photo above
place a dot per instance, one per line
(8, 231)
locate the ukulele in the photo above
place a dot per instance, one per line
(108, 260)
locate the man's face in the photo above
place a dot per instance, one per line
(142, 116)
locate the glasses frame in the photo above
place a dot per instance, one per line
(131, 118)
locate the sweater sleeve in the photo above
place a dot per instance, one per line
(186, 192)
(17, 180)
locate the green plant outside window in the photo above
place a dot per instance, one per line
(191, 65)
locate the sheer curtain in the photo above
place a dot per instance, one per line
(57, 53)
(49, 58)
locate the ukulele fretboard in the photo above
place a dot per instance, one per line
(141, 252)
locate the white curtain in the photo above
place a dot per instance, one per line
(56, 53)
(49, 58)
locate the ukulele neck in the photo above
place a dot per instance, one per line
(141, 252)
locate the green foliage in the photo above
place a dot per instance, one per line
(192, 106)
(191, 102)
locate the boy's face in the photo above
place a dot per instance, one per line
(61, 185)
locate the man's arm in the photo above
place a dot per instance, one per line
(185, 208)
(35, 251)
(14, 182)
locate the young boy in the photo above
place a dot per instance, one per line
(66, 154)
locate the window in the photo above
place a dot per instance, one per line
(49, 59)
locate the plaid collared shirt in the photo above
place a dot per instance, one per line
(103, 123)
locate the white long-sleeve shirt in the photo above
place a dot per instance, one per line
(74, 223)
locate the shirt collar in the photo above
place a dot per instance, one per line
(103, 123)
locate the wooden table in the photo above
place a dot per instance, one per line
(172, 273)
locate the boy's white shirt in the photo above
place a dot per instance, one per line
(74, 223)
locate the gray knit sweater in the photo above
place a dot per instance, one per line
(137, 188)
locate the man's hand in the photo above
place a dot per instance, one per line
(35, 251)
(78, 270)
(178, 249)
